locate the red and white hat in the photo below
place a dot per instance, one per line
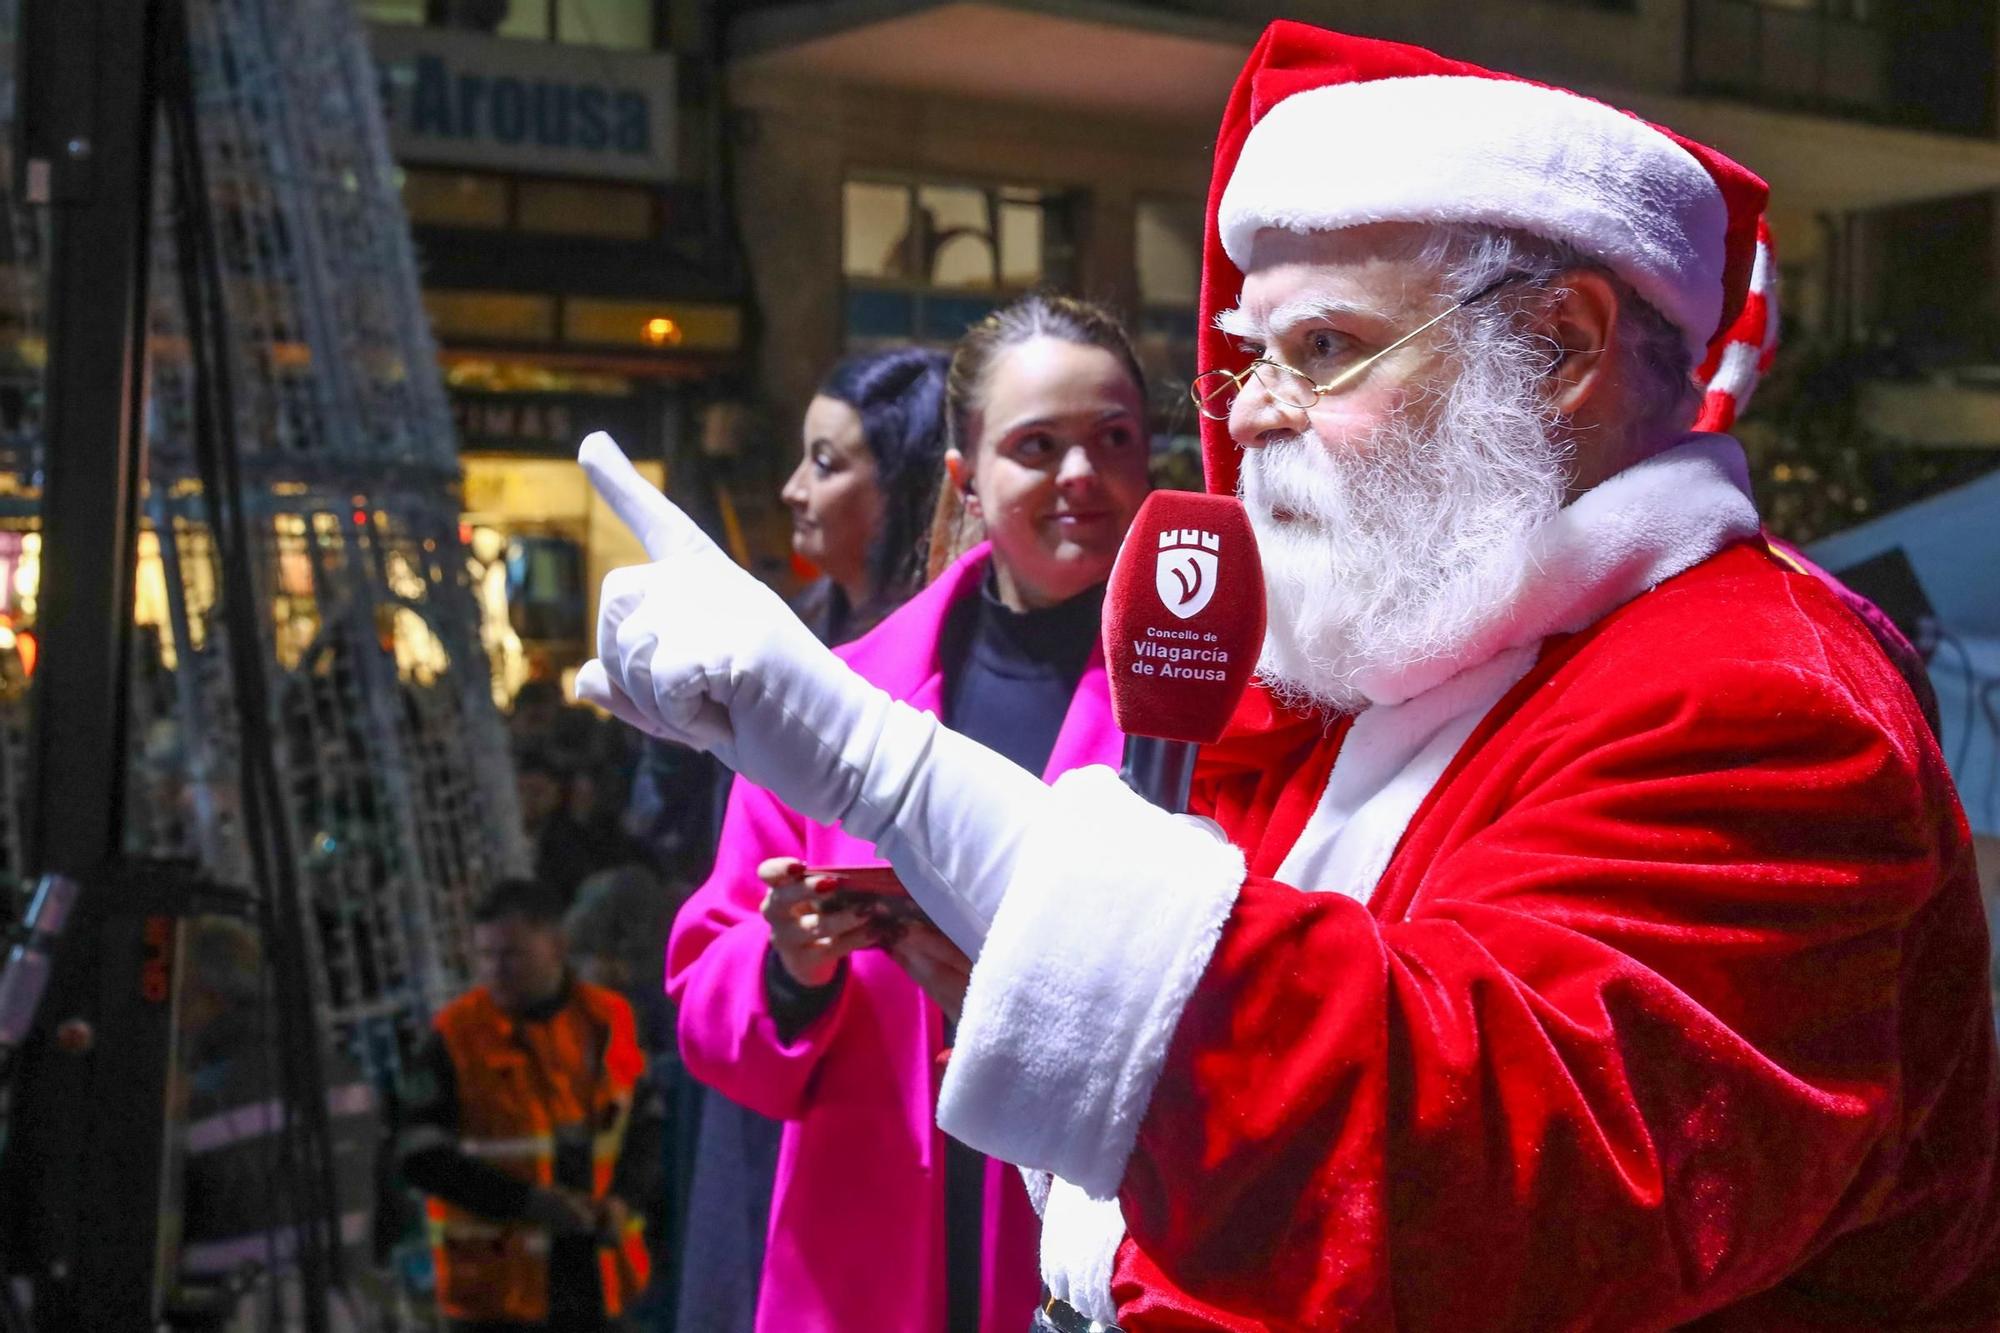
(1325, 131)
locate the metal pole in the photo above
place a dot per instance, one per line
(97, 138)
(91, 1134)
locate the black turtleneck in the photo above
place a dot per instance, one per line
(1009, 675)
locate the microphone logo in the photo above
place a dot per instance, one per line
(1184, 574)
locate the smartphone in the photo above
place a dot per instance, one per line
(872, 890)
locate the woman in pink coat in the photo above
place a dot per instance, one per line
(878, 1222)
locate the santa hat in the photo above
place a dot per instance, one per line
(1325, 131)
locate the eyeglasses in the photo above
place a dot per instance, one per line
(1214, 392)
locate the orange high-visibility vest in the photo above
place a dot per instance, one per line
(517, 1084)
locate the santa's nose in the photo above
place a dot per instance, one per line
(1257, 418)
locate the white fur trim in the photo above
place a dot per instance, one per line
(1038, 1185)
(1080, 1240)
(1109, 918)
(1393, 755)
(1658, 517)
(1454, 148)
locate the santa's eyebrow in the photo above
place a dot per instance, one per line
(1238, 323)
(1288, 315)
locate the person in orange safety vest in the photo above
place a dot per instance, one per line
(529, 1126)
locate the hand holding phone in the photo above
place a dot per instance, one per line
(872, 891)
(809, 938)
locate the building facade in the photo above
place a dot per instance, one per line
(902, 167)
(560, 169)
(650, 215)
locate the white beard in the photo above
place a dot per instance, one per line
(1400, 548)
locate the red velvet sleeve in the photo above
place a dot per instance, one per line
(1629, 1055)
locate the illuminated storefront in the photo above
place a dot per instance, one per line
(575, 279)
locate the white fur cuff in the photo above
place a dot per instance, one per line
(1107, 924)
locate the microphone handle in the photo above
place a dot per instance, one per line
(1159, 770)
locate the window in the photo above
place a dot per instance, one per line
(1837, 56)
(1852, 11)
(1166, 245)
(877, 235)
(455, 198)
(1166, 249)
(407, 12)
(577, 208)
(444, 198)
(491, 316)
(925, 259)
(622, 24)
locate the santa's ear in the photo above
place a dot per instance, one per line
(1581, 324)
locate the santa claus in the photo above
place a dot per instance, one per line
(1582, 929)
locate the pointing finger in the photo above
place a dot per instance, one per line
(594, 686)
(655, 520)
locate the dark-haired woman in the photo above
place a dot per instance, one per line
(860, 495)
(878, 1222)
(871, 453)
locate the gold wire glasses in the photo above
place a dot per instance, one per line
(1214, 392)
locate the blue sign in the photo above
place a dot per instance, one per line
(467, 99)
(503, 109)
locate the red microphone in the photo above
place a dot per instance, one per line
(1183, 624)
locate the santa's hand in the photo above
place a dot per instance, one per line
(693, 649)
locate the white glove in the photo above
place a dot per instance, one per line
(692, 649)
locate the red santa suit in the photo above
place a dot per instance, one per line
(1624, 968)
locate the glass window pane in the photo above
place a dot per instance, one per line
(626, 24)
(876, 236)
(955, 236)
(574, 208)
(455, 198)
(1167, 250)
(1021, 243)
(524, 18)
(393, 11)
(509, 18)
(491, 316)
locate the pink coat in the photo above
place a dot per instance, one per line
(857, 1215)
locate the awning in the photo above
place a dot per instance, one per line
(1128, 61)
